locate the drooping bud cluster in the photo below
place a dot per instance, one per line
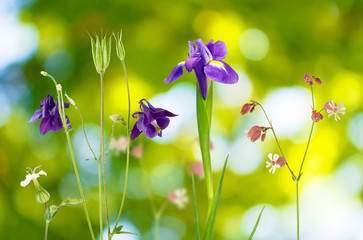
(309, 79)
(256, 132)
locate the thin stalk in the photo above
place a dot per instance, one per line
(128, 145)
(102, 151)
(156, 229)
(84, 132)
(297, 210)
(64, 121)
(100, 197)
(277, 141)
(111, 136)
(46, 229)
(306, 150)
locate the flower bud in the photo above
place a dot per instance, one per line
(117, 118)
(246, 108)
(71, 202)
(263, 137)
(317, 80)
(41, 195)
(281, 162)
(120, 49)
(254, 133)
(316, 116)
(101, 53)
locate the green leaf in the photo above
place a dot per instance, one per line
(212, 216)
(197, 231)
(204, 140)
(256, 225)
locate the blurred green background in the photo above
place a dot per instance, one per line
(271, 44)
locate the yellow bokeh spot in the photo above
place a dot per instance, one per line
(347, 87)
(219, 26)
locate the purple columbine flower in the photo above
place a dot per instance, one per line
(206, 60)
(151, 120)
(51, 119)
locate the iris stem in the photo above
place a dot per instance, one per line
(102, 151)
(128, 145)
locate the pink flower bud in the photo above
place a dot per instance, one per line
(316, 116)
(246, 108)
(254, 133)
(197, 169)
(281, 162)
(318, 81)
(253, 108)
(263, 137)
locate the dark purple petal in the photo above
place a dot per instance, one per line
(66, 105)
(219, 51)
(135, 132)
(56, 123)
(191, 62)
(163, 122)
(176, 73)
(68, 123)
(150, 131)
(205, 53)
(36, 116)
(160, 133)
(202, 79)
(220, 72)
(45, 125)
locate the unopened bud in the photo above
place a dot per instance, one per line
(101, 53)
(70, 99)
(120, 49)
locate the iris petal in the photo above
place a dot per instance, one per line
(202, 79)
(205, 53)
(176, 73)
(220, 72)
(191, 62)
(219, 51)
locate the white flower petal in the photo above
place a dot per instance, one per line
(41, 172)
(26, 181)
(270, 156)
(276, 157)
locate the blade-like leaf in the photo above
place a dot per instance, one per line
(197, 231)
(212, 216)
(204, 140)
(256, 225)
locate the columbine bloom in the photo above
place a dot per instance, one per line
(276, 162)
(316, 116)
(118, 145)
(309, 79)
(179, 197)
(255, 133)
(151, 120)
(51, 119)
(332, 108)
(41, 195)
(206, 61)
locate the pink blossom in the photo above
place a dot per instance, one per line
(137, 151)
(308, 79)
(275, 162)
(118, 145)
(255, 133)
(316, 116)
(179, 197)
(332, 108)
(197, 169)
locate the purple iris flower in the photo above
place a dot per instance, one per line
(151, 120)
(206, 60)
(51, 119)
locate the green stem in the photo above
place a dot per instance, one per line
(102, 151)
(64, 121)
(46, 229)
(156, 229)
(79, 184)
(277, 141)
(297, 210)
(306, 150)
(204, 141)
(128, 145)
(100, 198)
